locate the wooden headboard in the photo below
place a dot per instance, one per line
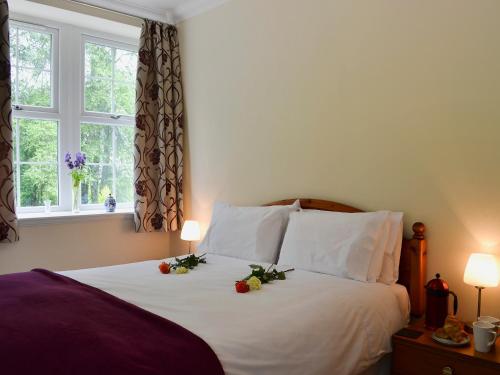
(413, 263)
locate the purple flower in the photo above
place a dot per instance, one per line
(80, 159)
(79, 163)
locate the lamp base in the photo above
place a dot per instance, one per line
(479, 289)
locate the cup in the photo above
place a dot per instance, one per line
(489, 319)
(484, 336)
(47, 204)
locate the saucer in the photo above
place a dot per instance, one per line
(450, 342)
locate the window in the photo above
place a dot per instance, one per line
(32, 65)
(109, 79)
(91, 109)
(36, 139)
(110, 157)
(35, 161)
(107, 124)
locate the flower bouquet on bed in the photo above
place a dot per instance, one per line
(258, 277)
(182, 265)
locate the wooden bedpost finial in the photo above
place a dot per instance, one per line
(418, 231)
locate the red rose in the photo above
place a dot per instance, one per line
(164, 267)
(242, 286)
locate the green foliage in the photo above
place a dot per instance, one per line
(100, 179)
(266, 276)
(38, 144)
(78, 175)
(39, 182)
(189, 262)
(109, 79)
(31, 67)
(97, 144)
(104, 193)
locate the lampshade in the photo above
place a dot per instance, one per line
(190, 231)
(481, 270)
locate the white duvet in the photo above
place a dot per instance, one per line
(308, 324)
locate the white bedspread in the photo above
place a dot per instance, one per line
(306, 325)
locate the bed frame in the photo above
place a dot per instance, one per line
(413, 263)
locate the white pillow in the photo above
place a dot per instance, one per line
(253, 233)
(381, 244)
(335, 243)
(392, 254)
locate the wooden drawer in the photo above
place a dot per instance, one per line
(410, 359)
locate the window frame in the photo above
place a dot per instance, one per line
(68, 69)
(86, 38)
(94, 206)
(20, 111)
(102, 118)
(54, 66)
(18, 163)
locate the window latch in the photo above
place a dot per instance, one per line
(115, 117)
(18, 107)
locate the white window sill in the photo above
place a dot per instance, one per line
(58, 217)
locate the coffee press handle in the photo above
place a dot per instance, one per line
(455, 303)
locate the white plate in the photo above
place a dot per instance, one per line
(450, 342)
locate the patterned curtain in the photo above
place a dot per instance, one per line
(8, 219)
(159, 131)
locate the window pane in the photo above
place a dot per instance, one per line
(98, 95)
(118, 157)
(31, 69)
(14, 139)
(125, 145)
(109, 79)
(38, 140)
(124, 184)
(124, 98)
(16, 171)
(35, 49)
(98, 61)
(98, 185)
(13, 77)
(125, 65)
(38, 182)
(13, 45)
(97, 142)
(34, 87)
(38, 169)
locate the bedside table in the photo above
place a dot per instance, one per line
(424, 356)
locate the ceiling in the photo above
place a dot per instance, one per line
(162, 10)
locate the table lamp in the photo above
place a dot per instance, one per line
(190, 232)
(481, 271)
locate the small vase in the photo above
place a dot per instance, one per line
(76, 195)
(110, 203)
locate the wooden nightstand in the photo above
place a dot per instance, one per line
(424, 356)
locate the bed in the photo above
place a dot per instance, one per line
(309, 324)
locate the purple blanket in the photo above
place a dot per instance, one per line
(53, 325)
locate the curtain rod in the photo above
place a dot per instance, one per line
(146, 14)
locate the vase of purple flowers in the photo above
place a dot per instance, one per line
(78, 172)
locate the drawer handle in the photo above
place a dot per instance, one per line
(447, 370)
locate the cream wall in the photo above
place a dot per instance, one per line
(81, 244)
(380, 104)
